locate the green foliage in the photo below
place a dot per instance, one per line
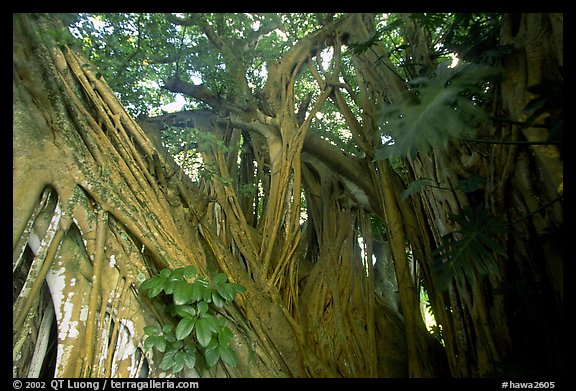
(437, 110)
(198, 331)
(360, 48)
(377, 225)
(471, 184)
(415, 187)
(137, 52)
(474, 36)
(134, 53)
(436, 331)
(465, 185)
(470, 253)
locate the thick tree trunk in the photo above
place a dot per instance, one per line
(92, 219)
(481, 324)
(532, 191)
(98, 209)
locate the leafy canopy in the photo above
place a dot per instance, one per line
(138, 53)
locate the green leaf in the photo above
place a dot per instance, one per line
(218, 300)
(211, 356)
(415, 187)
(229, 290)
(153, 285)
(169, 333)
(151, 330)
(167, 328)
(360, 47)
(157, 342)
(213, 323)
(224, 336)
(204, 331)
(190, 358)
(195, 292)
(469, 253)
(176, 345)
(200, 290)
(183, 292)
(184, 328)
(211, 333)
(227, 355)
(220, 278)
(201, 308)
(237, 288)
(179, 359)
(471, 184)
(148, 344)
(185, 311)
(436, 111)
(168, 360)
(188, 271)
(221, 322)
(177, 279)
(205, 290)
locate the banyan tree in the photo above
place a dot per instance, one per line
(356, 182)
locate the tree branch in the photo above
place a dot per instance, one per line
(341, 163)
(203, 94)
(331, 155)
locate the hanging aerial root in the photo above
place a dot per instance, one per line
(114, 337)
(24, 237)
(39, 280)
(88, 349)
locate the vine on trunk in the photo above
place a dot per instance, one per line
(192, 297)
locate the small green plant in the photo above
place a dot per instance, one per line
(197, 331)
(470, 253)
(469, 185)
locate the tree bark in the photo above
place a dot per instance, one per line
(74, 141)
(98, 208)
